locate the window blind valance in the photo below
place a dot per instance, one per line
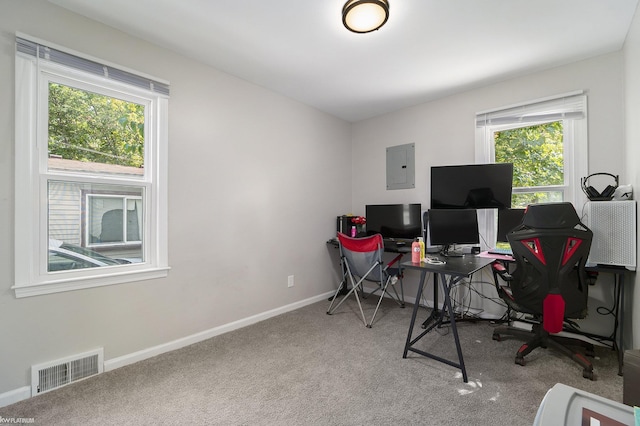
(47, 53)
(572, 106)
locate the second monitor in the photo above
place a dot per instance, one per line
(394, 221)
(450, 227)
(508, 219)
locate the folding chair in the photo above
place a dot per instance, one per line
(362, 261)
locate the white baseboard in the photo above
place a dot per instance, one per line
(22, 393)
(14, 396)
(121, 361)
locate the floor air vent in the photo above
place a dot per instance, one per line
(52, 375)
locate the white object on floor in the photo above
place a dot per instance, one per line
(570, 406)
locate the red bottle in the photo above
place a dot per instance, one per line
(415, 252)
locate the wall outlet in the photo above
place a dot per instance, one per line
(290, 281)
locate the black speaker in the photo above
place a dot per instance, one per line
(344, 224)
(595, 195)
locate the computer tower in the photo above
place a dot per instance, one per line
(614, 233)
(344, 224)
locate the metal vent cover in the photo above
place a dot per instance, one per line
(55, 374)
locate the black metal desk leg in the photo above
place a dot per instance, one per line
(620, 315)
(446, 284)
(436, 314)
(416, 306)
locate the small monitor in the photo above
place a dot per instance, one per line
(448, 227)
(508, 219)
(472, 186)
(394, 221)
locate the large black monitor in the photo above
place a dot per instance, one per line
(508, 219)
(394, 221)
(448, 227)
(472, 186)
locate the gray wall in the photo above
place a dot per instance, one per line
(255, 183)
(632, 156)
(444, 131)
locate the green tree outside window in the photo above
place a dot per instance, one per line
(95, 128)
(537, 154)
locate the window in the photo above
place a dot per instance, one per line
(537, 154)
(113, 220)
(546, 140)
(91, 145)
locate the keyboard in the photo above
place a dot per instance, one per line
(501, 251)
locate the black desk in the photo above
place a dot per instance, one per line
(617, 337)
(452, 271)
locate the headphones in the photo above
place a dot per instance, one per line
(593, 195)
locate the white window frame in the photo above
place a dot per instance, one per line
(33, 74)
(86, 219)
(575, 144)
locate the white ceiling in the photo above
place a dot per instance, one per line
(428, 48)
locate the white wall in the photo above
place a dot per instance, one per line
(632, 151)
(443, 131)
(256, 181)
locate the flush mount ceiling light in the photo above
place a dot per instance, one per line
(364, 16)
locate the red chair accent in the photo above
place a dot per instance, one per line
(553, 313)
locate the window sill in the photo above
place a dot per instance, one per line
(58, 286)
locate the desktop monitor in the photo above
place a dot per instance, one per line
(394, 221)
(473, 186)
(448, 227)
(508, 219)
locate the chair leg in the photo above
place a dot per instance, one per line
(527, 348)
(342, 290)
(399, 299)
(587, 367)
(354, 289)
(543, 340)
(343, 284)
(508, 330)
(384, 290)
(568, 341)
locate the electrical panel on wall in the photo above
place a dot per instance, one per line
(401, 167)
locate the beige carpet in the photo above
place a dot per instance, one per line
(309, 368)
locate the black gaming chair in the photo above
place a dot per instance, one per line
(549, 282)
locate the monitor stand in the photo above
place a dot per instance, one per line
(449, 251)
